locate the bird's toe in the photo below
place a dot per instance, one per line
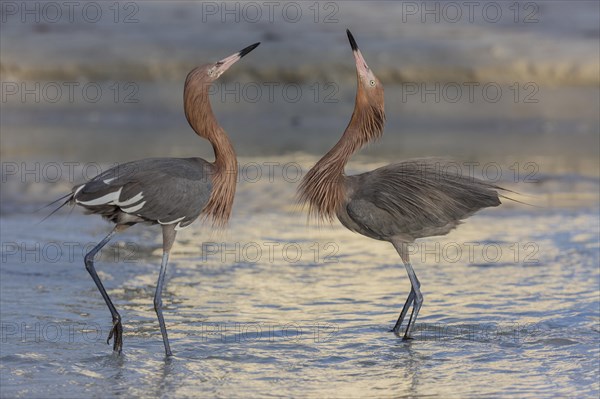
(116, 333)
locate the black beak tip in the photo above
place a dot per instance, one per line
(248, 49)
(352, 41)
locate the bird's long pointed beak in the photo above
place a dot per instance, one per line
(361, 64)
(227, 62)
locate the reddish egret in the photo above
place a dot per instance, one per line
(172, 192)
(397, 203)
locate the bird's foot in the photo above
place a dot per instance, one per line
(117, 333)
(397, 331)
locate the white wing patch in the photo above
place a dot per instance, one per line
(136, 198)
(113, 199)
(105, 199)
(134, 208)
(172, 221)
(78, 190)
(178, 227)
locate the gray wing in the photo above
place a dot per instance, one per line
(413, 199)
(160, 190)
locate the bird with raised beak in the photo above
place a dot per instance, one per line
(171, 192)
(397, 203)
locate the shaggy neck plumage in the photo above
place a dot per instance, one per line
(322, 187)
(201, 118)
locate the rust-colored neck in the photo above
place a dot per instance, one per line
(323, 186)
(201, 118)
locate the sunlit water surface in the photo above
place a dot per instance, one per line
(511, 305)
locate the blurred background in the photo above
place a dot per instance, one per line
(510, 90)
(482, 86)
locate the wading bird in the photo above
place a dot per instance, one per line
(172, 192)
(397, 203)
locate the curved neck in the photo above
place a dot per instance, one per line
(335, 160)
(366, 124)
(323, 186)
(201, 118)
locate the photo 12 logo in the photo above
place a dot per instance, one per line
(271, 92)
(55, 12)
(270, 11)
(79, 172)
(69, 92)
(471, 92)
(14, 252)
(270, 252)
(451, 12)
(235, 332)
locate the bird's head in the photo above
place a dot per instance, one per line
(367, 81)
(369, 109)
(211, 72)
(197, 88)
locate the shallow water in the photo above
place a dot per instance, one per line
(274, 307)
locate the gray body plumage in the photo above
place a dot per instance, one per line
(417, 198)
(172, 192)
(155, 190)
(398, 203)
(412, 199)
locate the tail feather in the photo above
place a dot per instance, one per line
(54, 202)
(515, 200)
(509, 198)
(68, 197)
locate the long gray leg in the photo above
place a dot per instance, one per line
(415, 297)
(417, 302)
(158, 303)
(168, 239)
(117, 329)
(407, 304)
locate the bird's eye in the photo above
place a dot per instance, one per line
(372, 83)
(211, 72)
